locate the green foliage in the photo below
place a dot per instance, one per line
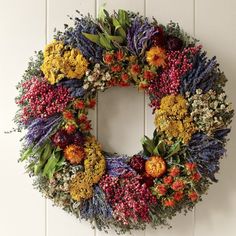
(44, 161)
(158, 147)
(113, 29)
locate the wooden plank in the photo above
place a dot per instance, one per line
(60, 223)
(121, 110)
(164, 11)
(22, 32)
(216, 29)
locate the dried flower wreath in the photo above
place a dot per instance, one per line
(192, 116)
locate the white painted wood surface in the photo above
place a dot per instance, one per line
(120, 119)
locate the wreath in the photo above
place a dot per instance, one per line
(192, 116)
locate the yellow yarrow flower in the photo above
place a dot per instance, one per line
(173, 119)
(62, 61)
(94, 169)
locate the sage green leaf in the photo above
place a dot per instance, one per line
(147, 142)
(175, 148)
(26, 154)
(156, 151)
(51, 164)
(118, 28)
(161, 146)
(93, 37)
(105, 42)
(123, 18)
(117, 39)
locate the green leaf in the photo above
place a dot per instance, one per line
(118, 28)
(175, 148)
(161, 148)
(123, 18)
(26, 154)
(156, 151)
(147, 142)
(117, 39)
(93, 37)
(105, 42)
(155, 137)
(51, 164)
(43, 159)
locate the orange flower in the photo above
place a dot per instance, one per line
(174, 171)
(155, 166)
(168, 180)
(193, 196)
(143, 85)
(125, 77)
(169, 203)
(68, 115)
(108, 58)
(70, 129)
(119, 55)
(92, 103)
(196, 177)
(178, 196)
(161, 189)
(178, 185)
(116, 68)
(74, 154)
(135, 69)
(79, 104)
(156, 56)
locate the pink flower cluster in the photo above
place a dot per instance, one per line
(129, 197)
(179, 63)
(40, 99)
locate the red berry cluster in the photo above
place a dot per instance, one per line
(40, 99)
(128, 196)
(179, 63)
(177, 186)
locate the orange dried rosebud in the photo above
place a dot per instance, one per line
(155, 166)
(74, 154)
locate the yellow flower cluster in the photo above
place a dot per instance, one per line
(62, 61)
(94, 168)
(173, 119)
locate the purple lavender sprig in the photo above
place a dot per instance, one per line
(206, 152)
(75, 87)
(139, 35)
(40, 129)
(73, 36)
(116, 165)
(203, 75)
(97, 209)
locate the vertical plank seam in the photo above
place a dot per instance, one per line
(194, 34)
(46, 40)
